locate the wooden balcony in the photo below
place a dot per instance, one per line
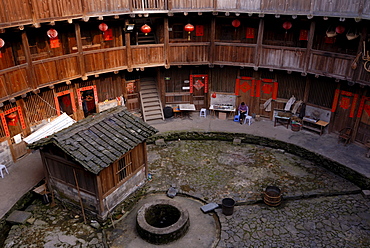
(23, 12)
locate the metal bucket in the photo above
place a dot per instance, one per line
(228, 206)
(272, 196)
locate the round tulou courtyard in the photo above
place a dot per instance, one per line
(318, 208)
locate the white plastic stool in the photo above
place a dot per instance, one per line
(1, 170)
(203, 112)
(249, 119)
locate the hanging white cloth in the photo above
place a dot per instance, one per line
(267, 105)
(289, 104)
(296, 106)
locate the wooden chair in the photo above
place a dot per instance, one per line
(345, 135)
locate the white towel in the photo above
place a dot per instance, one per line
(267, 105)
(288, 105)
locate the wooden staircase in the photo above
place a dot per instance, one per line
(151, 105)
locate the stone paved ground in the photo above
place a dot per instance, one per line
(319, 209)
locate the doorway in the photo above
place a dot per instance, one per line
(199, 90)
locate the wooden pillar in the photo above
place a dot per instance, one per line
(128, 49)
(80, 52)
(258, 51)
(309, 46)
(212, 41)
(166, 43)
(27, 53)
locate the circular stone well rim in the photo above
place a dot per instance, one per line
(163, 235)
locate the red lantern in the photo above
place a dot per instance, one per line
(145, 29)
(189, 28)
(2, 43)
(52, 33)
(103, 27)
(287, 25)
(235, 23)
(340, 29)
(214, 95)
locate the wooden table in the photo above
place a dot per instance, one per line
(282, 120)
(230, 112)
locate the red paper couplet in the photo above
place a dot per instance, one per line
(250, 33)
(199, 30)
(303, 34)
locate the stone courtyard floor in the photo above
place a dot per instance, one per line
(319, 208)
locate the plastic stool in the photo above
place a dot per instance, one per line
(1, 170)
(249, 119)
(203, 112)
(236, 118)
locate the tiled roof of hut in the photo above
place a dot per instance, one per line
(101, 139)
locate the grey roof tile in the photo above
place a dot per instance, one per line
(99, 140)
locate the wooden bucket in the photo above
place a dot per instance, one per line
(272, 196)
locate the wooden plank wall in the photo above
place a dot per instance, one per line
(234, 54)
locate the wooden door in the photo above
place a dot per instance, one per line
(199, 90)
(13, 123)
(344, 106)
(363, 131)
(254, 93)
(87, 99)
(132, 95)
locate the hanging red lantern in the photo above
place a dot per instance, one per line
(2, 43)
(235, 23)
(214, 95)
(103, 27)
(287, 25)
(189, 28)
(340, 29)
(52, 33)
(145, 29)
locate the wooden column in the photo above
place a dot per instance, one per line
(128, 49)
(258, 53)
(309, 46)
(212, 41)
(80, 52)
(166, 43)
(27, 55)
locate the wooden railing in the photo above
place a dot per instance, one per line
(234, 53)
(331, 64)
(56, 69)
(105, 60)
(14, 80)
(189, 53)
(148, 55)
(283, 57)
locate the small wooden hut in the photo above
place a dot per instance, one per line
(98, 161)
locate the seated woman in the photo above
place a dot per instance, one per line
(243, 110)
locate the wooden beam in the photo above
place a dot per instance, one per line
(80, 51)
(309, 46)
(258, 50)
(27, 53)
(128, 48)
(166, 43)
(211, 58)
